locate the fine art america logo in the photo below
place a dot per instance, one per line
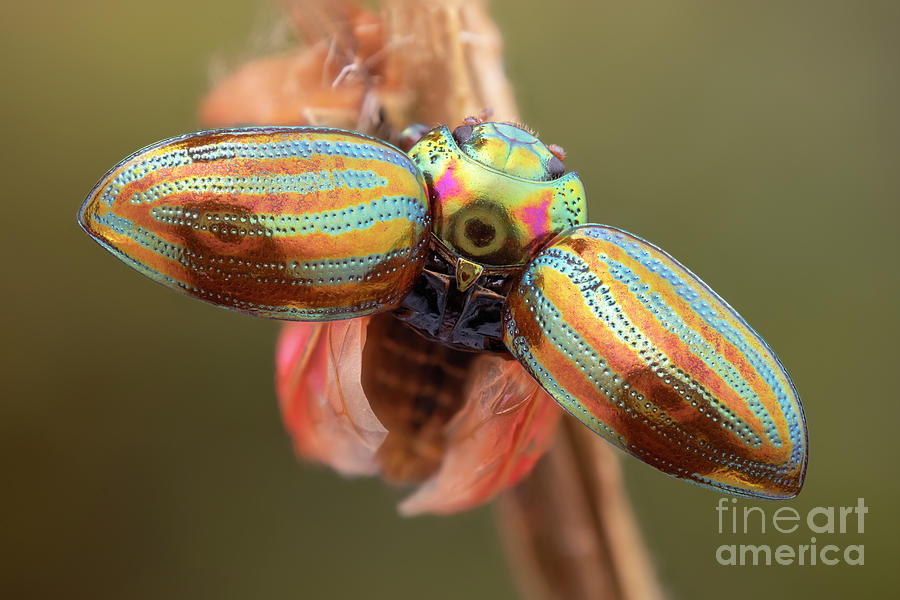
(818, 536)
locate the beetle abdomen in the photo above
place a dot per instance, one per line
(648, 356)
(291, 223)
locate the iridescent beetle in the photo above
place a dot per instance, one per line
(477, 239)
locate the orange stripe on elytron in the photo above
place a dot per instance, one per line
(779, 396)
(721, 345)
(641, 391)
(627, 298)
(252, 277)
(289, 223)
(174, 259)
(668, 446)
(227, 238)
(714, 395)
(558, 328)
(265, 184)
(617, 420)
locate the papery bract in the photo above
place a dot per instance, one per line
(325, 82)
(322, 400)
(505, 423)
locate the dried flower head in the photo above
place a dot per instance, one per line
(369, 396)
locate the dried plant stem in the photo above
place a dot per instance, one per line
(568, 529)
(448, 56)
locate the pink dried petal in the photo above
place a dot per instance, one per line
(506, 424)
(286, 89)
(321, 396)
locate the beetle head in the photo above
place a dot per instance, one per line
(509, 148)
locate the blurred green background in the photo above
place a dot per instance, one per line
(143, 456)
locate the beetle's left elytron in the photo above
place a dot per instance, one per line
(476, 239)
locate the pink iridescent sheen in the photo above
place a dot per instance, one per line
(535, 217)
(448, 185)
(506, 423)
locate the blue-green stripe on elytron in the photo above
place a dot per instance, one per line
(300, 148)
(589, 361)
(332, 271)
(672, 322)
(331, 222)
(721, 325)
(601, 303)
(299, 183)
(315, 313)
(522, 351)
(296, 148)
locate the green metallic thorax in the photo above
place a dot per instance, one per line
(493, 199)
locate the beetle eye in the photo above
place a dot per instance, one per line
(556, 168)
(462, 134)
